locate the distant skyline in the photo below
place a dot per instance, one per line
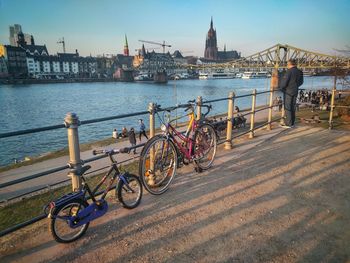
(99, 27)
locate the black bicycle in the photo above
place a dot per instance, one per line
(71, 214)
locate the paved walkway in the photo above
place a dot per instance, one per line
(281, 197)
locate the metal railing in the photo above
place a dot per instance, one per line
(75, 163)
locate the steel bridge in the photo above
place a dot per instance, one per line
(277, 57)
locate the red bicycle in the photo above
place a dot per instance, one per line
(163, 153)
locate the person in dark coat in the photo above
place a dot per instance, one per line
(132, 138)
(289, 85)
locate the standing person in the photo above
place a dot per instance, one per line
(132, 138)
(142, 129)
(290, 83)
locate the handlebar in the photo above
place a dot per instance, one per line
(111, 152)
(209, 107)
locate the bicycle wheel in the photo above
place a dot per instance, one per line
(129, 193)
(158, 164)
(205, 146)
(59, 225)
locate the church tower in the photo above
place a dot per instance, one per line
(126, 47)
(211, 48)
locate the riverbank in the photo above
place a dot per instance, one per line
(48, 81)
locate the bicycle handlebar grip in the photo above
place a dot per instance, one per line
(188, 108)
(124, 150)
(95, 152)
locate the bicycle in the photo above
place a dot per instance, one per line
(71, 214)
(164, 153)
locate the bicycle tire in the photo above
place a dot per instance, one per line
(159, 186)
(123, 193)
(205, 131)
(54, 227)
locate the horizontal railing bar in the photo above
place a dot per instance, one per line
(60, 126)
(237, 97)
(267, 91)
(33, 191)
(61, 168)
(21, 225)
(241, 134)
(34, 176)
(22, 132)
(335, 106)
(264, 108)
(114, 117)
(242, 96)
(214, 100)
(245, 114)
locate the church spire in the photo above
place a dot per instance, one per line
(126, 47)
(211, 22)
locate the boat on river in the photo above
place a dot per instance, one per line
(218, 74)
(255, 75)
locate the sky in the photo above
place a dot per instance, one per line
(98, 27)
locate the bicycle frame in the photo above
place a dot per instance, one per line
(191, 127)
(86, 189)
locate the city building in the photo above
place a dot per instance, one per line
(105, 65)
(14, 31)
(180, 63)
(152, 62)
(211, 45)
(3, 67)
(63, 65)
(138, 59)
(126, 47)
(16, 61)
(211, 52)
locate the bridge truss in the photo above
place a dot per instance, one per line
(278, 55)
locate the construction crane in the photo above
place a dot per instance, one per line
(156, 43)
(61, 41)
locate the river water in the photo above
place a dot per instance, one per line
(38, 105)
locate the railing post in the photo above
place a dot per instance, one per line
(228, 143)
(72, 122)
(269, 118)
(199, 108)
(252, 115)
(330, 122)
(151, 109)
